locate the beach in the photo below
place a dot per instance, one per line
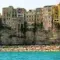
(29, 48)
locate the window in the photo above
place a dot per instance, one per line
(12, 15)
(4, 20)
(15, 15)
(49, 16)
(56, 20)
(27, 16)
(9, 18)
(7, 15)
(49, 10)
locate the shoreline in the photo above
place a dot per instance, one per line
(29, 48)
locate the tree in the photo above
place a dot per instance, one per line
(1, 25)
(24, 30)
(57, 25)
(34, 31)
(0, 38)
(40, 25)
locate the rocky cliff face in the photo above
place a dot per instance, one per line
(9, 37)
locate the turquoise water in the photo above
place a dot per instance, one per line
(29, 55)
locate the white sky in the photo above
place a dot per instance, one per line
(28, 4)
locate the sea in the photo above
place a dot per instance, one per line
(30, 55)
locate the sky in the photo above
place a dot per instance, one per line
(27, 4)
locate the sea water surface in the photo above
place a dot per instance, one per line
(29, 55)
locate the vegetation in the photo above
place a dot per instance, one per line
(40, 25)
(34, 32)
(35, 28)
(57, 25)
(24, 30)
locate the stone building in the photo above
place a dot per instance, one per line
(13, 17)
(30, 18)
(56, 14)
(21, 13)
(9, 16)
(47, 17)
(39, 15)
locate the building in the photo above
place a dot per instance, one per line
(13, 17)
(0, 15)
(21, 13)
(39, 15)
(59, 12)
(30, 18)
(47, 17)
(9, 16)
(0, 20)
(55, 14)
